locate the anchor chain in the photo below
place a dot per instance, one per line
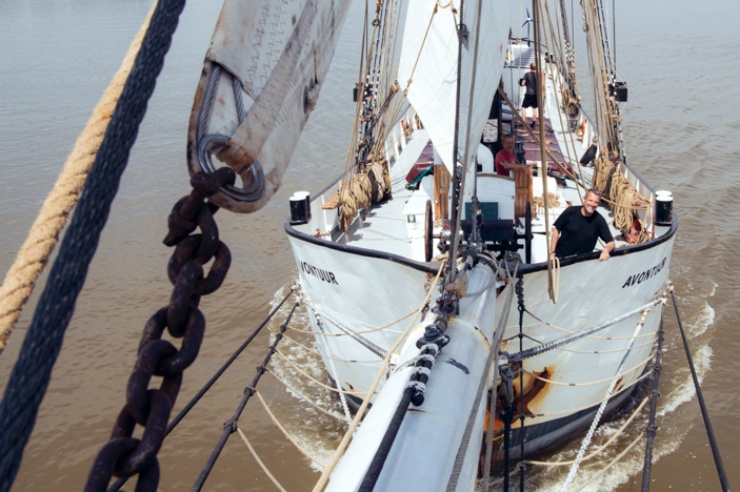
(124, 455)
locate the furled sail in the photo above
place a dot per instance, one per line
(428, 68)
(261, 78)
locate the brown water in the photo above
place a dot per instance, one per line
(56, 58)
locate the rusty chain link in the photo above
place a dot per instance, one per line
(124, 455)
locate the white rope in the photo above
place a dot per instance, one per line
(314, 351)
(302, 396)
(259, 461)
(600, 412)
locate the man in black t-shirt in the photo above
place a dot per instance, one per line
(577, 229)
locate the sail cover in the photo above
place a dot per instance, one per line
(428, 69)
(277, 52)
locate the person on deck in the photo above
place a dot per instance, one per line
(529, 81)
(506, 158)
(578, 228)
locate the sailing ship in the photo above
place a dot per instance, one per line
(440, 315)
(426, 275)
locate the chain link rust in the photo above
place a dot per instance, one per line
(150, 408)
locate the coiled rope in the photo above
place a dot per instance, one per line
(38, 246)
(30, 377)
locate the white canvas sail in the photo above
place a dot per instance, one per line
(273, 56)
(429, 65)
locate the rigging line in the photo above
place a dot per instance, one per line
(599, 413)
(33, 255)
(540, 86)
(565, 330)
(372, 347)
(590, 404)
(632, 369)
(421, 48)
(231, 425)
(559, 91)
(351, 149)
(284, 430)
(302, 396)
(313, 379)
(322, 311)
(335, 375)
(651, 428)
(576, 336)
(225, 366)
(704, 412)
(599, 352)
(595, 337)
(260, 462)
(471, 90)
(597, 450)
(482, 386)
(600, 476)
(314, 351)
(458, 181)
(492, 402)
(321, 484)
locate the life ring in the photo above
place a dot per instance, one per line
(428, 231)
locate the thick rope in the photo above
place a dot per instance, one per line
(32, 372)
(33, 255)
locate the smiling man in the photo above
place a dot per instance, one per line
(578, 228)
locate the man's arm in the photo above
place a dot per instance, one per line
(606, 252)
(606, 236)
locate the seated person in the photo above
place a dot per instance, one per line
(505, 158)
(578, 228)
